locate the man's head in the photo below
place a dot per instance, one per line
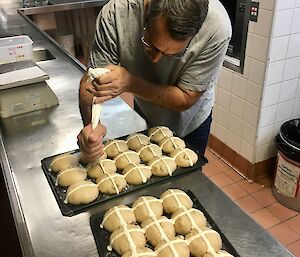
(170, 25)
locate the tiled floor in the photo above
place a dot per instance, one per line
(257, 200)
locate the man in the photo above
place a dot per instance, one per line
(168, 53)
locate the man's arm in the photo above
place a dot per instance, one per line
(119, 80)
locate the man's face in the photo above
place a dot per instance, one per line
(158, 41)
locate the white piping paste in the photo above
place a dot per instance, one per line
(185, 150)
(138, 136)
(127, 234)
(163, 159)
(126, 154)
(202, 234)
(65, 171)
(159, 129)
(143, 177)
(148, 200)
(114, 142)
(148, 207)
(157, 224)
(175, 195)
(115, 209)
(111, 177)
(58, 158)
(75, 189)
(171, 245)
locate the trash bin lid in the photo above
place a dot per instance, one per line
(290, 133)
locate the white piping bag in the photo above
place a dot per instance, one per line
(96, 108)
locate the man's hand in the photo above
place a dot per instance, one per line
(90, 142)
(110, 85)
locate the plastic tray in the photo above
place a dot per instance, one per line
(101, 236)
(70, 210)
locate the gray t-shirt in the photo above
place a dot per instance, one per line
(119, 29)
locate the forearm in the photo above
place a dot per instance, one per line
(85, 101)
(171, 97)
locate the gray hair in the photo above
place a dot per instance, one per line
(184, 17)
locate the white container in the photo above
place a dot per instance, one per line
(15, 49)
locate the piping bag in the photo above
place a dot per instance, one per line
(96, 108)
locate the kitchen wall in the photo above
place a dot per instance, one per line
(250, 107)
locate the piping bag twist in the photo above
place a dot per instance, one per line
(96, 108)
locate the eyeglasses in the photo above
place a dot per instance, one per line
(153, 49)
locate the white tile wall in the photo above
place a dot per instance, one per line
(284, 111)
(247, 151)
(254, 93)
(239, 86)
(265, 135)
(249, 133)
(237, 106)
(296, 21)
(263, 26)
(296, 108)
(225, 79)
(221, 133)
(268, 116)
(257, 71)
(234, 142)
(224, 98)
(279, 47)
(285, 4)
(291, 68)
(222, 116)
(236, 125)
(294, 46)
(251, 114)
(259, 48)
(251, 107)
(271, 95)
(282, 23)
(298, 88)
(288, 90)
(265, 152)
(275, 72)
(267, 4)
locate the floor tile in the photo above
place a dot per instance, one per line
(294, 223)
(265, 197)
(210, 156)
(234, 191)
(294, 248)
(221, 165)
(249, 187)
(284, 234)
(221, 180)
(282, 212)
(236, 177)
(249, 204)
(210, 169)
(265, 218)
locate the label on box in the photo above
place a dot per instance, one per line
(287, 179)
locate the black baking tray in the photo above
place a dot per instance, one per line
(101, 236)
(70, 210)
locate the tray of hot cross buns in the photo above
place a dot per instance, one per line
(128, 163)
(173, 225)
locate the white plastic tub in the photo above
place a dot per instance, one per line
(15, 49)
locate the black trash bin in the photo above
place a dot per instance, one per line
(286, 187)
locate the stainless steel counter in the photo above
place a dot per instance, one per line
(26, 139)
